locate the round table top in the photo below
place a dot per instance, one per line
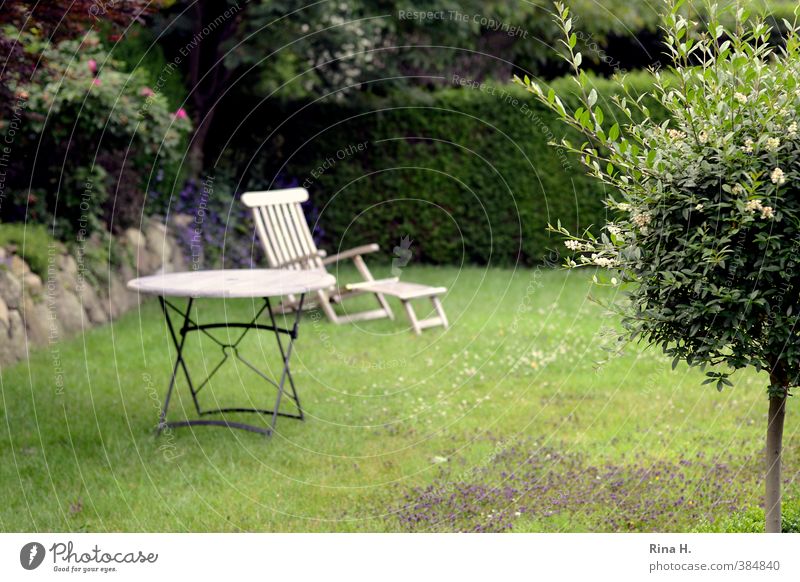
(233, 283)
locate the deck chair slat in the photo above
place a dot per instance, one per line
(270, 197)
(292, 239)
(304, 233)
(273, 239)
(279, 236)
(259, 216)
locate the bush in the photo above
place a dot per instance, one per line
(705, 220)
(704, 216)
(465, 173)
(92, 140)
(138, 50)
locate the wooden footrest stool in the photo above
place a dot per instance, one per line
(407, 292)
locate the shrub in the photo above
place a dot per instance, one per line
(94, 138)
(704, 212)
(138, 50)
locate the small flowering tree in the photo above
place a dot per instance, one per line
(704, 228)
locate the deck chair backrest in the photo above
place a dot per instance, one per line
(282, 228)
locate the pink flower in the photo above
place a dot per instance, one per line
(93, 66)
(181, 114)
(96, 82)
(147, 92)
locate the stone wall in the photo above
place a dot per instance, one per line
(70, 298)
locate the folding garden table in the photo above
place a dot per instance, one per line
(253, 284)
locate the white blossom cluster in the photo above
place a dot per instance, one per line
(753, 206)
(772, 144)
(601, 261)
(676, 134)
(641, 219)
(615, 230)
(342, 63)
(576, 245)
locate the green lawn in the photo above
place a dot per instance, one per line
(501, 422)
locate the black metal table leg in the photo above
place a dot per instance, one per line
(230, 350)
(179, 361)
(285, 355)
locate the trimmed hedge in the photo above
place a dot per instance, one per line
(466, 173)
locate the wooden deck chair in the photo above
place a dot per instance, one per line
(288, 244)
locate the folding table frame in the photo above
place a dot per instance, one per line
(230, 350)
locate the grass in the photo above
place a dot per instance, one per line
(500, 423)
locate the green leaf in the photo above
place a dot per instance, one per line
(592, 97)
(613, 133)
(586, 119)
(598, 115)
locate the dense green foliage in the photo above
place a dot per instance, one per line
(89, 140)
(465, 173)
(706, 221)
(704, 213)
(138, 50)
(92, 135)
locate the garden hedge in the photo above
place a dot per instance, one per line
(465, 173)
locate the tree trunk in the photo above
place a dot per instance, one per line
(772, 508)
(208, 77)
(197, 145)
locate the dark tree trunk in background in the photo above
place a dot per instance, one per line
(772, 507)
(197, 148)
(207, 76)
